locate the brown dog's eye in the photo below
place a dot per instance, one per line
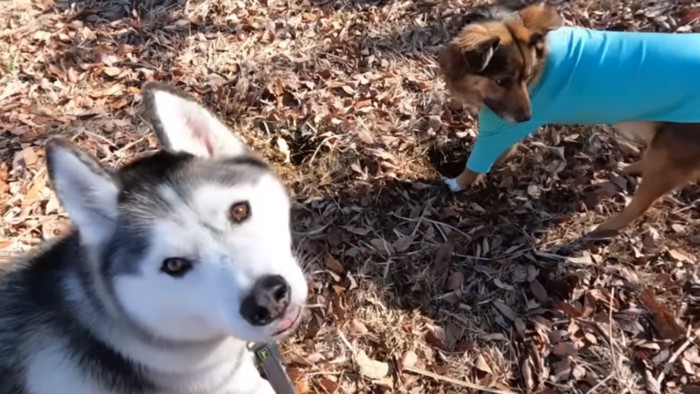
(239, 212)
(502, 82)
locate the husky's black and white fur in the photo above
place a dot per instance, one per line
(175, 262)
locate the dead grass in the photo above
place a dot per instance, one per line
(488, 289)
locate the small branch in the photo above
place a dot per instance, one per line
(456, 382)
(672, 360)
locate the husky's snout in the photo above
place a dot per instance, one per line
(268, 300)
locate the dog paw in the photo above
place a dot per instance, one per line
(453, 185)
(480, 181)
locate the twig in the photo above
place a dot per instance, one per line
(552, 256)
(435, 222)
(672, 360)
(347, 343)
(610, 328)
(456, 382)
(602, 382)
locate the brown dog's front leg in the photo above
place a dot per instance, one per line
(468, 177)
(463, 180)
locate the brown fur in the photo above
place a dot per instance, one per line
(513, 49)
(492, 63)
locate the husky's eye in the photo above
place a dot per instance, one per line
(176, 266)
(239, 211)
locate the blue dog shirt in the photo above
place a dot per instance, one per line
(602, 77)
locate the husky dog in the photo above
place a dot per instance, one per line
(174, 263)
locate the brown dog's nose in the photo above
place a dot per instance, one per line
(267, 301)
(523, 116)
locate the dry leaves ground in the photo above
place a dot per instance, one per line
(413, 289)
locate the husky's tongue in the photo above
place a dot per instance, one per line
(287, 322)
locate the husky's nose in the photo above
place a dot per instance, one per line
(267, 301)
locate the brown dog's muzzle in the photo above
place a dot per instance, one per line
(510, 111)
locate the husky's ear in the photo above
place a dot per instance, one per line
(182, 124)
(86, 191)
(541, 18)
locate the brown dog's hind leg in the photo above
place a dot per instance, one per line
(636, 168)
(637, 132)
(660, 175)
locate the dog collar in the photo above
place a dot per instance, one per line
(268, 359)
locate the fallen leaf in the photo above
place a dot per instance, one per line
(4, 243)
(539, 291)
(585, 259)
(27, 157)
(300, 380)
(505, 310)
(679, 256)
(402, 244)
(502, 285)
(442, 261)
(284, 148)
(519, 274)
(482, 365)
(526, 371)
(334, 265)
(382, 246)
(520, 326)
(452, 334)
(357, 230)
(371, 368)
(652, 385)
(436, 337)
(409, 358)
(455, 281)
(562, 370)
(52, 205)
(690, 16)
(329, 385)
(34, 194)
(567, 308)
(442, 257)
(564, 349)
(464, 346)
(532, 272)
(690, 388)
(112, 71)
(357, 328)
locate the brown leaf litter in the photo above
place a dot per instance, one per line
(412, 290)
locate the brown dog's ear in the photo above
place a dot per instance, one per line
(479, 56)
(473, 55)
(540, 18)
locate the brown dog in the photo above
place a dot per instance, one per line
(523, 70)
